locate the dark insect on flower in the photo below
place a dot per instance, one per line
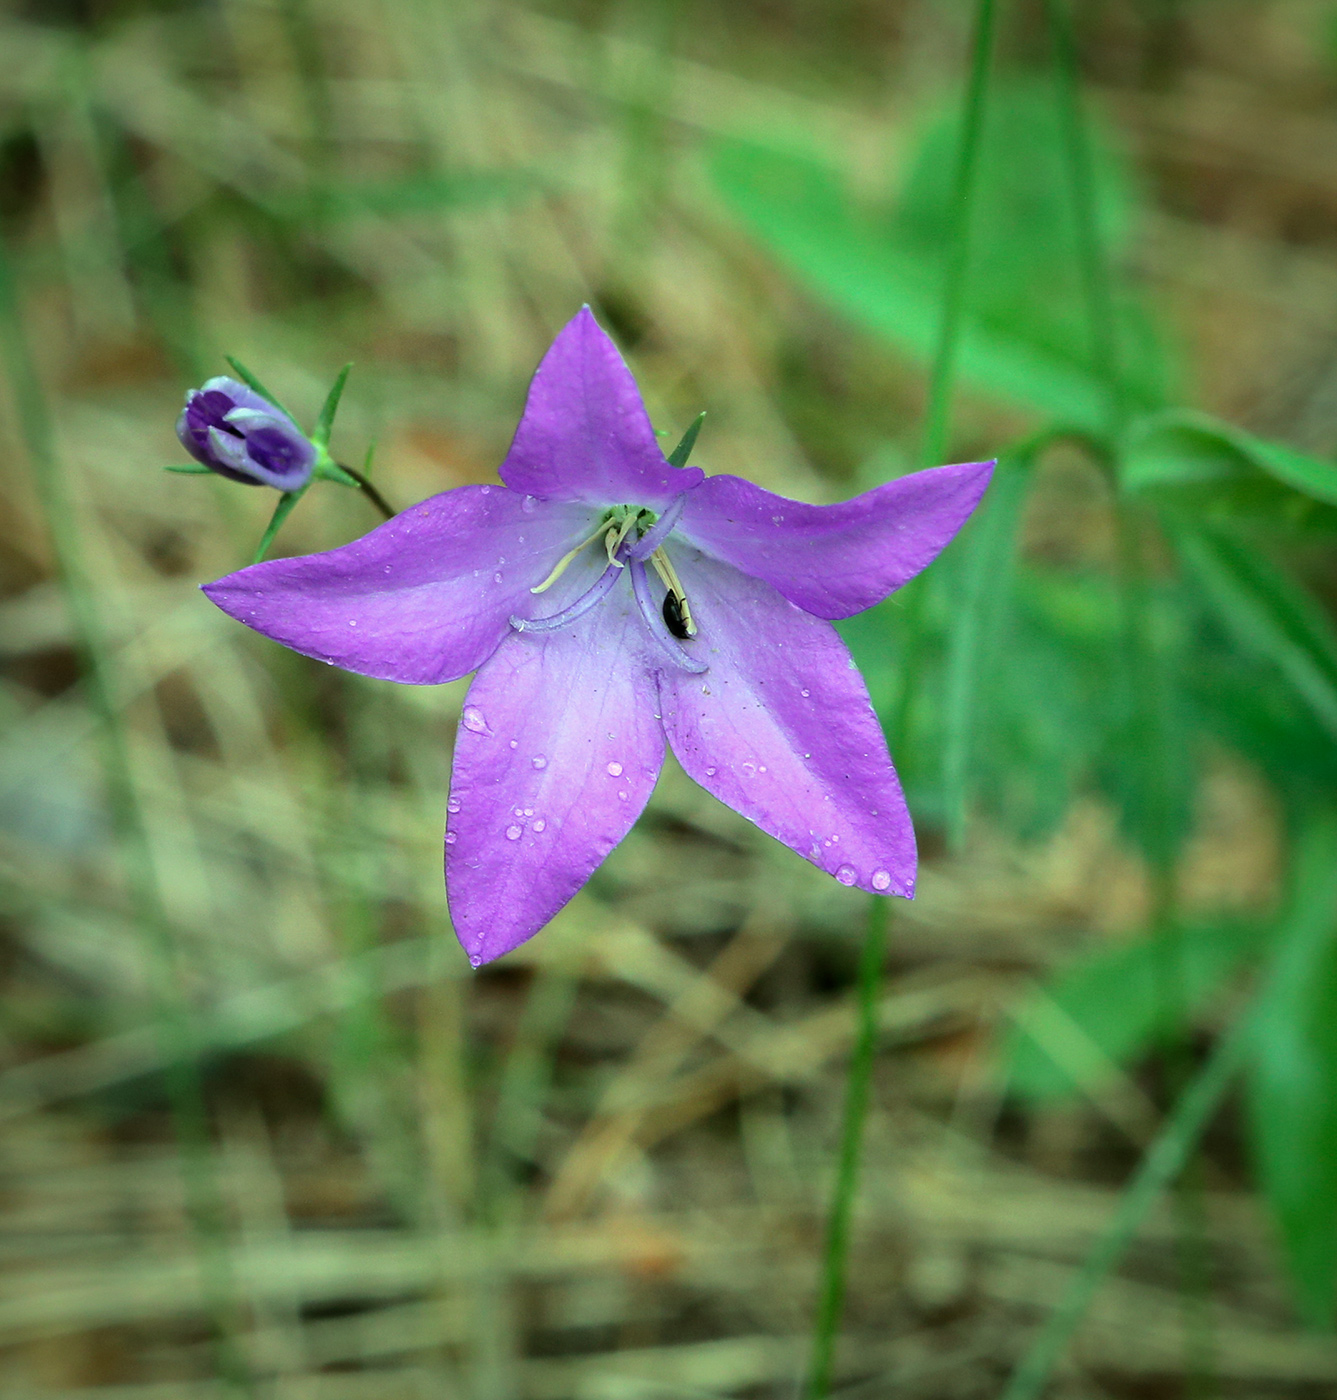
(673, 616)
(236, 432)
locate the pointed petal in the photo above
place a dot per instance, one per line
(585, 435)
(423, 598)
(835, 560)
(781, 729)
(558, 750)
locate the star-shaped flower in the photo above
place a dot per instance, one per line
(610, 602)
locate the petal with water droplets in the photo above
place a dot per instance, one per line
(781, 729)
(583, 701)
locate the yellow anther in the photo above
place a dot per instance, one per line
(613, 540)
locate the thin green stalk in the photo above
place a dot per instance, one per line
(1160, 1165)
(831, 1301)
(174, 1016)
(1307, 923)
(1098, 285)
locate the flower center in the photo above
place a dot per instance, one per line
(632, 537)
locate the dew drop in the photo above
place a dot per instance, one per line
(487, 490)
(387, 568)
(473, 720)
(539, 761)
(517, 811)
(496, 578)
(515, 743)
(622, 797)
(846, 874)
(614, 770)
(881, 880)
(529, 811)
(527, 505)
(453, 805)
(352, 622)
(748, 768)
(540, 824)
(762, 769)
(513, 833)
(451, 838)
(805, 693)
(710, 772)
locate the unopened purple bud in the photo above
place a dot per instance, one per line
(234, 431)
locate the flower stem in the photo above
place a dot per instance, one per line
(369, 491)
(858, 1085)
(832, 1301)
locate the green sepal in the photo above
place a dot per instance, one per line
(190, 469)
(320, 434)
(678, 457)
(281, 512)
(252, 382)
(327, 469)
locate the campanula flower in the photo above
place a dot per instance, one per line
(236, 432)
(610, 603)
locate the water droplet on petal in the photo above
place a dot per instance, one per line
(527, 505)
(496, 578)
(622, 797)
(453, 805)
(881, 880)
(352, 622)
(451, 838)
(710, 772)
(517, 811)
(473, 720)
(748, 768)
(846, 874)
(540, 824)
(529, 811)
(513, 833)
(539, 761)
(762, 769)
(614, 770)
(515, 743)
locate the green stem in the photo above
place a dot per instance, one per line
(1161, 1164)
(369, 491)
(175, 1018)
(832, 1291)
(832, 1301)
(1097, 283)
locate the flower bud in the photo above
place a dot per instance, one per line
(234, 431)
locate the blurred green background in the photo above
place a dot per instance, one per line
(264, 1132)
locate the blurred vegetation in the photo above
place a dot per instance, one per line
(265, 1132)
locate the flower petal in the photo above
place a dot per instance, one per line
(558, 750)
(781, 729)
(585, 434)
(423, 598)
(840, 559)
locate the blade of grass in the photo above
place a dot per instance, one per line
(831, 1301)
(174, 1016)
(1309, 920)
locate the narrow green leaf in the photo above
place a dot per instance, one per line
(1208, 469)
(1112, 1002)
(1292, 1106)
(189, 469)
(320, 435)
(1310, 911)
(281, 512)
(985, 586)
(678, 457)
(251, 381)
(1268, 614)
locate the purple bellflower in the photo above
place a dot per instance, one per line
(611, 602)
(236, 432)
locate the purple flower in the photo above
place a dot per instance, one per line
(610, 602)
(234, 431)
